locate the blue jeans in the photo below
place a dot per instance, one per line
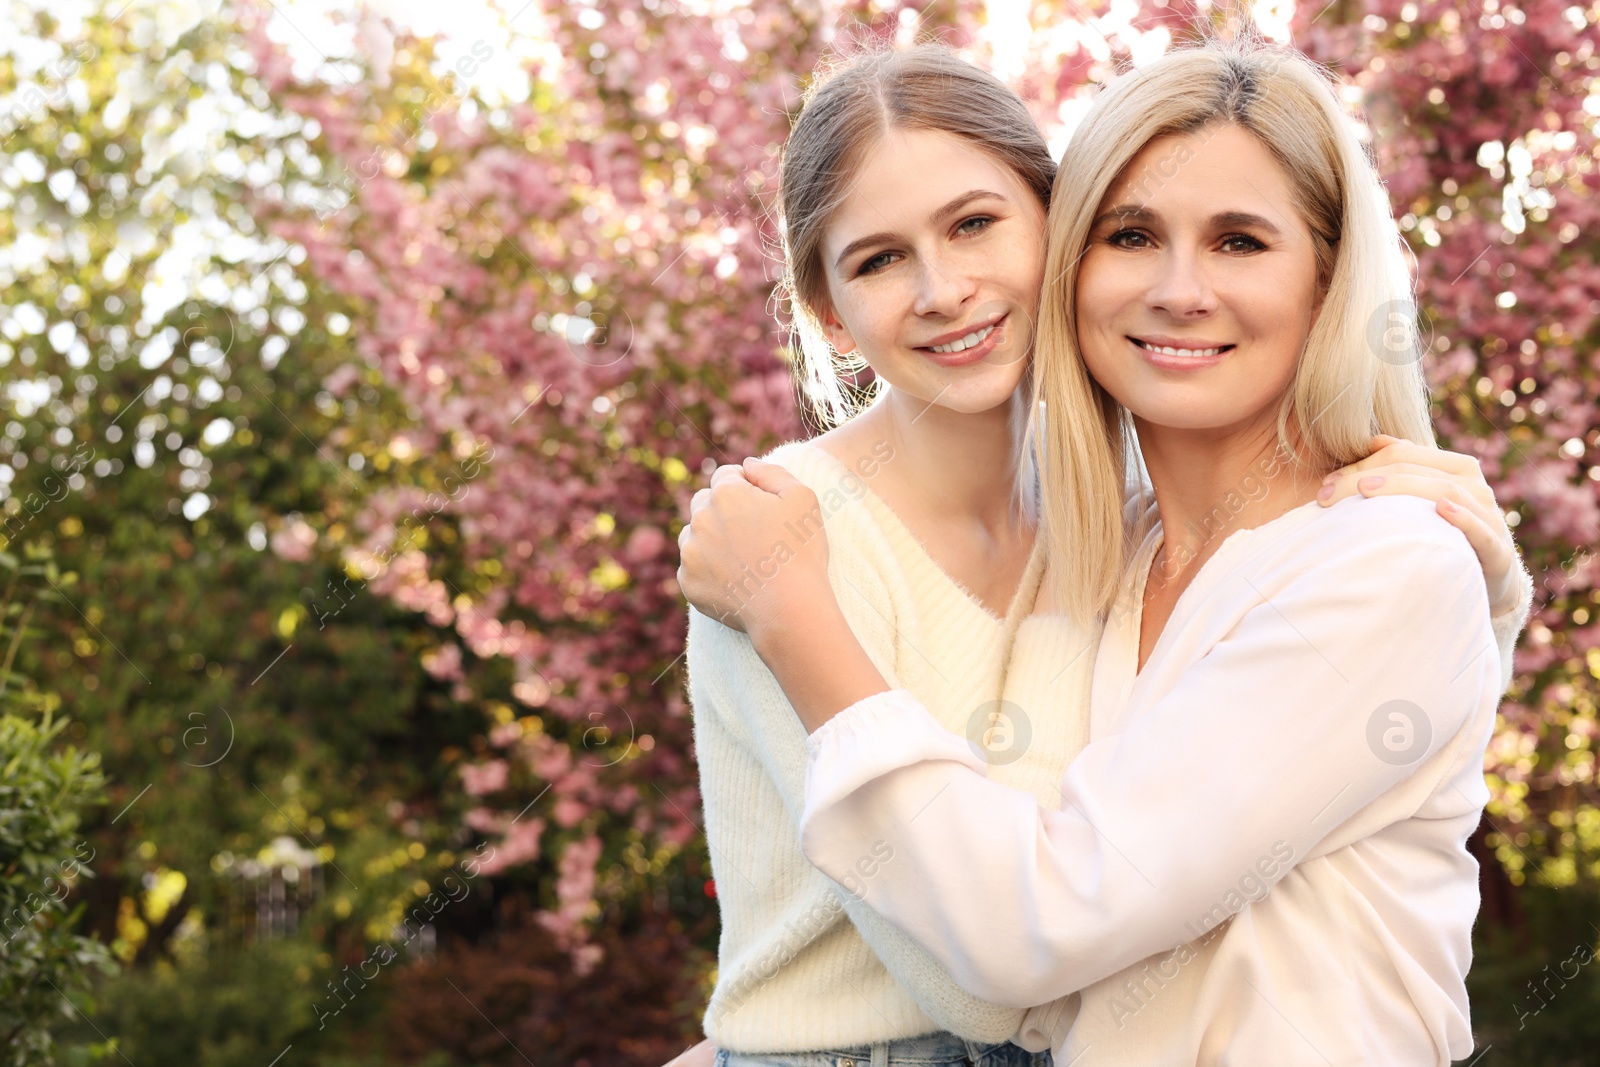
(929, 1050)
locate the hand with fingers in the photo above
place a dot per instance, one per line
(1462, 496)
(754, 549)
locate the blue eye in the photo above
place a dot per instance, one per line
(876, 263)
(967, 227)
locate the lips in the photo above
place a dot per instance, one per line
(960, 340)
(1181, 349)
(970, 345)
(971, 340)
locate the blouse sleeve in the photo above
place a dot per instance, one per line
(1260, 750)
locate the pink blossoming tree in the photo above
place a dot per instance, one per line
(575, 294)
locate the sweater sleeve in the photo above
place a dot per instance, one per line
(1263, 745)
(729, 680)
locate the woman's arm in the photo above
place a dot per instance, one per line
(741, 563)
(1230, 779)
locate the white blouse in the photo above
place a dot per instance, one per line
(1260, 857)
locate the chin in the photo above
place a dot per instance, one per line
(977, 387)
(1198, 416)
(976, 407)
(973, 401)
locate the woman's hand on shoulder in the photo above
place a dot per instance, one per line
(1461, 494)
(754, 548)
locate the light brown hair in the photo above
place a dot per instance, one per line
(847, 111)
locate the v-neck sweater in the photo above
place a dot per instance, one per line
(803, 962)
(1260, 855)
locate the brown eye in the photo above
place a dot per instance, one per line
(1242, 242)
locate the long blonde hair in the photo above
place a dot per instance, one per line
(1360, 372)
(847, 111)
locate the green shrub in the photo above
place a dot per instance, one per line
(1536, 987)
(44, 788)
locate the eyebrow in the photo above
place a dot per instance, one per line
(1221, 220)
(938, 216)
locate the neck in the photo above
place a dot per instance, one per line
(959, 464)
(1210, 483)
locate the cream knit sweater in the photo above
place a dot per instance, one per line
(804, 962)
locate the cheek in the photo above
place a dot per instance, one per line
(1102, 292)
(1030, 275)
(1282, 315)
(863, 313)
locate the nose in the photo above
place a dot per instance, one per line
(943, 288)
(1180, 287)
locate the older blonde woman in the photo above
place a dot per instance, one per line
(1260, 855)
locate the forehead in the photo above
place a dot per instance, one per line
(907, 175)
(1220, 168)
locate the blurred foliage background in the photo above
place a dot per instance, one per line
(356, 376)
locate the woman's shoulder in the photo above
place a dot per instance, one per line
(1386, 539)
(838, 475)
(849, 511)
(803, 459)
(1400, 521)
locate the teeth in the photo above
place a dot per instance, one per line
(1195, 352)
(969, 341)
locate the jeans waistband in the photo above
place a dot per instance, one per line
(939, 1049)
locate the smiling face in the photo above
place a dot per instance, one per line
(1199, 286)
(934, 262)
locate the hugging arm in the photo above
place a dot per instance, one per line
(1258, 754)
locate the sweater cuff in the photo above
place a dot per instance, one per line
(1509, 625)
(870, 738)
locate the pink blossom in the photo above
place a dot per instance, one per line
(480, 778)
(443, 662)
(294, 541)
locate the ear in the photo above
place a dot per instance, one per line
(836, 332)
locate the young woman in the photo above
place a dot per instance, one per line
(914, 193)
(804, 966)
(1260, 856)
